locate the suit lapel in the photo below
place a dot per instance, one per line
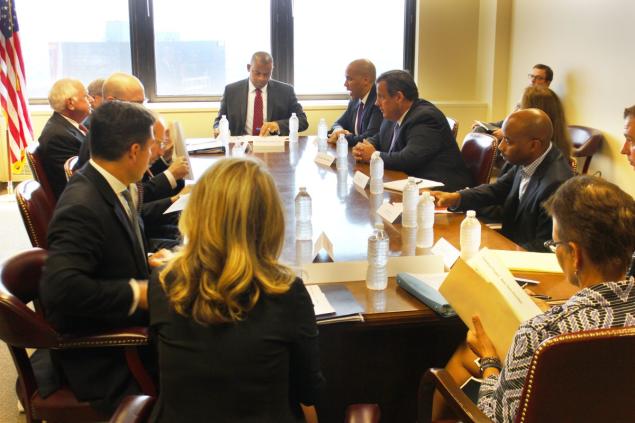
(69, 127)
(368, 108)
(243, 106)
(270, 97)
(534, 181)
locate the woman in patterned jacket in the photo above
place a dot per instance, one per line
(593, 238)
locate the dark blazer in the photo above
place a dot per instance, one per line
(58, 141)
(371, 119)
(525, 222)
(93, 253)
(424, 148)
(281, 102)
(256, 370)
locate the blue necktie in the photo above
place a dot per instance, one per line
(395, 135)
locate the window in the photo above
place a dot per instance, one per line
(85, 46)
(329, 34)
(189, 50)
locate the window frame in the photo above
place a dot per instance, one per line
(141, 13)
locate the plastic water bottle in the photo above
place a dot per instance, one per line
(410, 201)
(223, 127)
(322, 145)
(377, 274)
(425, 220)
(294, 124)
(470, 235)
(376, 173)
(239, 149)
(342, 147)
(322, 129)
(303, 215)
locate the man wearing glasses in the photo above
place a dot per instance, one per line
(538, 170)
(540, 76)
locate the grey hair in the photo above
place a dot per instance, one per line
(61, 91)
(95, 87)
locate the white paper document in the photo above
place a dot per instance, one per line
(525, 261)
(346, 271)
(178, 205)
(390, 211)
(269, 144)
(323, 243)
(360, 179)
(321, 304)
(400, 185)
(180, 150)
(433, 280)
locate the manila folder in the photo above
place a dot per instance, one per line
(484, 286)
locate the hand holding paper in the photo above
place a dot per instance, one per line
(478, 340)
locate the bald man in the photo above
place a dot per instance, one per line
(63, 135)
(538, 170)
(260, 105)
(362, 117)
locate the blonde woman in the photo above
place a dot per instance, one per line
(235, 329)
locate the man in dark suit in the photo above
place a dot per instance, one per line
(628, 149)
(362, 117)
(260, 105)
(538, 170)
(414, 137)
(63, 134)
(95, 277)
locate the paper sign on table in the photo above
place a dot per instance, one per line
(446, 250)
(360, 179)
(324, 159)
(323, 243)
(389, 211)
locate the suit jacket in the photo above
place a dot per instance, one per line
(525, 222)
(424, 148)
(281, 102)
(371, 119)
(58, 141)
(93, 253)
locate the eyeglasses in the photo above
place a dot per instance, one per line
(536, 77)
(553, 245)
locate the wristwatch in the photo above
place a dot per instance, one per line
(487, 362)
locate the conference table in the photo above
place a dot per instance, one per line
(381, 359)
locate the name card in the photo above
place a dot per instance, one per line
(324, 159)
(446, 250)
(360, 179)
(323, 243)
(390, 212)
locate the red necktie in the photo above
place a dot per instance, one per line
(83, 129)
(257, 122)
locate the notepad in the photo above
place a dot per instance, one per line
(400, 185)
(525, 261)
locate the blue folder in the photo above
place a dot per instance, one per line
(426, 294)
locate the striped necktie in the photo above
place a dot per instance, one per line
(257, 121)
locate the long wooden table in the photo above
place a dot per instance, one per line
(381, 359)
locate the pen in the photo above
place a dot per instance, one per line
(541, 296)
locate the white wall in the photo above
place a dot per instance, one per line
(589, 45)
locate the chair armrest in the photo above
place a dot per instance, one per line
(124, 337)
(462, 406)
(362, 413)
(133, 409)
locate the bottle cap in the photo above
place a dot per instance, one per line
(425, 195)
(375, 155)
(293, 115)
(411, 179)
(471, 213)
(302, 188)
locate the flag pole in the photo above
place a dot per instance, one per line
(9, 169)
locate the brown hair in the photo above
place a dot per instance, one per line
(629, 111)
(546, 100)
(233, 227)
(599, 217)
(547, 69)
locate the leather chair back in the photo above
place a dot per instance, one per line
(479, 154)
(35, 163)
(69, 166)
(586, 142)
(584, 376)
(454, 126)
(36, 210)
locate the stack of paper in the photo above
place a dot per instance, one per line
(400, 185)
(525, 261)
(321, 304)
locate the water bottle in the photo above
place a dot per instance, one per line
(470, 235)
(410, 200)
(293, 128)
(322, 129)
(425, 220)
(239, 148)
(342, 147)
(322, 145)
(223, 127)
(377, 274)
(376, 173)
(303, 215)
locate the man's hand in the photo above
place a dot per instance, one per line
(179, 168)
(159, 258)
(478, 340)
(215, 132)
(446, 199)
(336, 134)
(269, 128)
(363, 150)
(143, 295)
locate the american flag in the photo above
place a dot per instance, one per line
(12, 96)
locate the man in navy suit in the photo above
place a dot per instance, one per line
(538, 170)
(63, 134)
(362, 117)
(414, 137)
(95, 277)
(260, 105)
